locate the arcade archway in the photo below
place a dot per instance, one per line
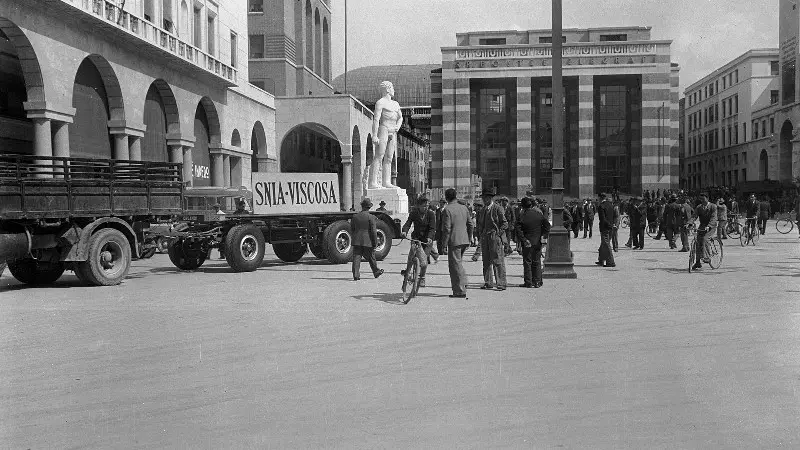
(206, 131)
(21, 79)
(161, 117)
(312, 148)
(258, 145)
(97, 98)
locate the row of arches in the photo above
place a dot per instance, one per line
(313, 39)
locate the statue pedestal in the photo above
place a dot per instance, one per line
(396, 199)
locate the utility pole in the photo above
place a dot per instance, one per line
(558, 259)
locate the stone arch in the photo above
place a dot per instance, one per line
(161, 118)
(236, 140)
(309, 40)
(763, 165)
(97, 99)
(326, 51)
(258, 145)
(116, 105)
(785, 151)
(170, 106)
(317, 43)
(31, 70)
(312, 147)
(357, 183)
(213, 119)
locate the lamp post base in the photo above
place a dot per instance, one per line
(558, 258)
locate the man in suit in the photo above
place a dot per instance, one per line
(577, 217)
(707, 214)
(685, 217)
(531, 229)
(424, 221)
(364, 232)
(672, 220)
(764, 213)
(608, 218)
(638, 219)
(491, 227)
(588, 217)
(456, 232)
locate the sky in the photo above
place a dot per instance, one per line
(705, 34)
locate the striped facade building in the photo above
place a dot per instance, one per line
(491, 112)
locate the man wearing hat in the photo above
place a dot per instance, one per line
(382, 207)
(364, 232)
(492, 225)
(722, 218)
(672, 219)
(532, 229)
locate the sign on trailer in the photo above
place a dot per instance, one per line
(287, 193)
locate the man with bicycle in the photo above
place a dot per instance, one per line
(424, 221)
(707, 214)
(751, 209)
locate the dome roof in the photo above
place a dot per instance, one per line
(412, 83)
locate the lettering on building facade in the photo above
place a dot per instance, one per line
(567, 50)
(545, 62)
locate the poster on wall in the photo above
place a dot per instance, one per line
(287, 193)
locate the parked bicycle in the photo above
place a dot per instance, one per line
(785, 224)
(712, 246)
(411, 272)
(734, 227)
(750, 233)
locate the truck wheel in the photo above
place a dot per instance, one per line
(30, 271)
(290, 252)
(318, 251)
(385, 236)
(244, 248)
(184, 257)
(108, 259)
(338, 243)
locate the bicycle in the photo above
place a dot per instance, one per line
(411, 272)
(750, 232)
(624, 221)
(733, 228)
(785, 225)
(712, 245)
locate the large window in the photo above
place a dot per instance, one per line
(496, 132)
(617, 104)
(256, 46)
(256, 6)
(542, 135)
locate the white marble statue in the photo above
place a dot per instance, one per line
(385, 125)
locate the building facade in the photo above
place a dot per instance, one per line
(682, 176)
(787, 118)
(160, 80)
(730, 123)
(492, 111)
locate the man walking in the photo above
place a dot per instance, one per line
(684, 219)
(722, 219)
(707, 215)
(588, 217)
(607, 219)
(456, 232)
(638, 218)
(532, 228)
(364, 232)
(672, 215)
(424, 221)
(491, 226)
(764, 213)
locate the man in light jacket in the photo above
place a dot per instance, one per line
(456, 232)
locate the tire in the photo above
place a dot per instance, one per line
(385, 237)
(784, 226)
(186, 255)
(715, 253)
(33, 272)
(290, 252)
(756, 237)
(108, 259)
(625, 222)
(734, 229)
(743, 236)
(244, 248)
(338, 243)
(318, 251)
(692, 252)
(411, 281)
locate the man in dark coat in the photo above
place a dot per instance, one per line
(638, 218)
(566, 217)
(672, 220)
(588, 217)
(424, 221)
(577, 217)
(764, 213)
(439, 244)
(492, 226)
(364, 232)
(607, 217)
(456, 232)
(707, 214)
(531, 229)
(751, 211)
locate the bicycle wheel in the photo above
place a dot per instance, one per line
(692, 251)
(411, 280)
(784, 226)
(625, 222)
(744, 236)
(734, 229)
(756, 235)
(715, 253)
(652, 233)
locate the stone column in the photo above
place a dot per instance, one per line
(175, 153)
(586, 137)
(188, 170)
(217, 176)
(60, 139)
(226, 170)
(42, 144)
(135, 145)
(121, 151)
(347, 182)
(524, 172)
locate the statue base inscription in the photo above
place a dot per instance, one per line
(396, 199)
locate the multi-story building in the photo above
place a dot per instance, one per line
(788, 115)
(316, 128)
(682, 180)
(160, 80)
(730, 122)
(492, 109)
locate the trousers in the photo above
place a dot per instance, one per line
(615, 238)
(494, 260)
(455, 265)
(531, 264)
(638, 237)
(367, 253)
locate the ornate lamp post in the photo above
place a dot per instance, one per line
(558, 259)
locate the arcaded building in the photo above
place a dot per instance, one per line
(491, 112)
(154, 80)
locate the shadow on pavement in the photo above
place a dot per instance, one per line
(393, 298)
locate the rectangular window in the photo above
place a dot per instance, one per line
(549, 39)
(774, 68)
(212, 36)
(755, 129)
(774, 96)
(724, 82)
(736, 76)
(723, 108)
(736, 159)
(744, 132)
(716, 86)
(233, 49)
(771, 125)
(256, 46)
(613, 37)
(744, 174)
(711, 89)
(735, 133)
(492, 41)
(716, 112)
(256, 6)
(764, 128)
(736, 103)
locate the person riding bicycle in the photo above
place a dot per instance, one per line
(751, 209)
(424, 221)
(707, 214)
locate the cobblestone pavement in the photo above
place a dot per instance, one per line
(644, 355)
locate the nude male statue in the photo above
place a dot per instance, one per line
(385, 124)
